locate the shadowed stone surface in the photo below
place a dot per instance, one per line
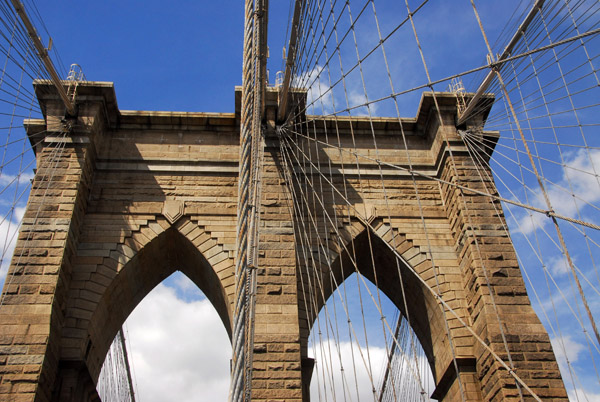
(129, 197)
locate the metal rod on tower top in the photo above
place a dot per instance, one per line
(43, 54)
(291, 57)
(263, 10)
(505, 54)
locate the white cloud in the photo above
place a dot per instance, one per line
(11, 188)
(357, 99)
(323, 99)
(180, 350)
(343, 384)
(9, 229)
(585, 384)
(578, 176)
(566, 348)
(583, 395)
(527, 221)
(319, 98)
(353, 383)
(21, 178)
(19, 213)
(558, 265)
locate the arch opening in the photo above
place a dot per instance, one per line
(364, 349)
(177, 347)
(149, 274)
(368, 254)
(383, 276)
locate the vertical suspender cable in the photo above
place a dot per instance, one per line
(236, 393)
(253, 90)
(259, 67)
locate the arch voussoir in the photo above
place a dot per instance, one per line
(129, 208)
(111, 278)
(388, 253)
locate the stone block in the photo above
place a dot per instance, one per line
(122, 202)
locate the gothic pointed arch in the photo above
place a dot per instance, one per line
(168, 252)
(124, 273)
(368, 254)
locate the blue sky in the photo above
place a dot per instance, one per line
(187, 55)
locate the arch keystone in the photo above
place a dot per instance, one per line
(365, 211)
(173, 210)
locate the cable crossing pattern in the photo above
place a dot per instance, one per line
(441, 170)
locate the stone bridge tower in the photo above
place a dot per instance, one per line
(126, 198)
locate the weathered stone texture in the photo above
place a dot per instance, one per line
(127, 198)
